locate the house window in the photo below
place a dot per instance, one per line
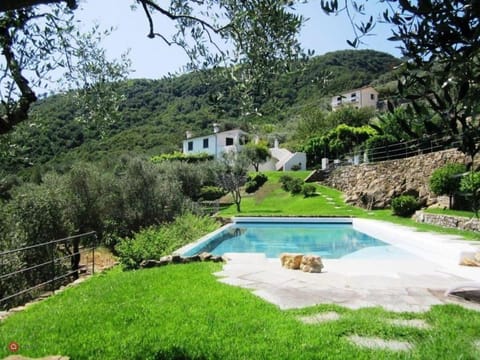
(205, 143)
(228, 141)
(190, 145)
(353, 95)
(372, 96)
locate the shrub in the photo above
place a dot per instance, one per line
(251, 187)
(405, 205)
(154, 242)
(444, 180)
(178, 156)
(296, 167)
(210, 193)
(470, 184)
(286, 180)
(308, 190)
(291, 184)
(254, 182)
(258, 178)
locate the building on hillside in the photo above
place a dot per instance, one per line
(357, 98)
(215, 144)
(232, 140)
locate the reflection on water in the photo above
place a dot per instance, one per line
(331, 241)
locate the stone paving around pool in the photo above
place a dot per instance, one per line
(413, 284)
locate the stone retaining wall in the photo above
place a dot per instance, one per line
(458, 222)
(373, 186)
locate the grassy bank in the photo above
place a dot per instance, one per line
(183, 312)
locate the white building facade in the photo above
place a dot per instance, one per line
(215, 144)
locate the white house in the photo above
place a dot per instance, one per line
(358, 98)
(283, 159)
(232, 140)
(215, 144)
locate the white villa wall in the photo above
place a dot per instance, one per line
(298, 158)
(198, 145)
(217, 143)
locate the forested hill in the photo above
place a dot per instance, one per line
(154, 114)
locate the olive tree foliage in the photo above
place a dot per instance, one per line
(42, 48)
(38, 37)
(256, 154)
(231, 174)
(440, 41)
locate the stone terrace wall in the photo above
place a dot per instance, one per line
(447, 221)
(373, 186)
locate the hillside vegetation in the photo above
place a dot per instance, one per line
(154, 114)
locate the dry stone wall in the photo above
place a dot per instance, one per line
(373, 186)
(447, 221)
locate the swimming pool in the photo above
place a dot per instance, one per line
(329, 238)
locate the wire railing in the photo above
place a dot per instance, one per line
(400, 150)
(26, 272)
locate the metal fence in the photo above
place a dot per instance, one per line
(27, 272)
(400, 150)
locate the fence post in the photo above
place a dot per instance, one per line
(53, 266)
(93, 252)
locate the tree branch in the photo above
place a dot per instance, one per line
(20, 111)
(205, 24)
(8, 5)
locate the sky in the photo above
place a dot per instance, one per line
(153, 58)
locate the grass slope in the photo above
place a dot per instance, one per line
(183, 312)
(271, 200)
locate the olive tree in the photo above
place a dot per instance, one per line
(231, 174)
(256, 153)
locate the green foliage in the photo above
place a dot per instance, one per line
(256, 153)
(251, 187)
(470, 184)
(190, 176)
(374, 146)
(154, 242)
(405, 205)
(308, 190)
(178, 156)
(348, 115)
(210, 193)
(291, 184)
(337, 142)
(231, 175)
(148, 198)
(446, 180)
(255, 182)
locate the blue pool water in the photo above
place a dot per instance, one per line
(331, 241)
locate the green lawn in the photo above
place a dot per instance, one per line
(183, 312)
(271, 200)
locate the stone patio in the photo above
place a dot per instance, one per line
(412, 284)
